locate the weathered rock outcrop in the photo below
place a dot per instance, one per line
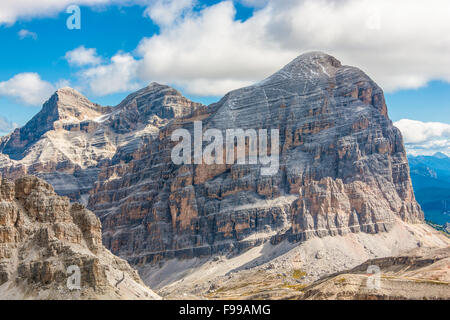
(45, 241)
(343, 167)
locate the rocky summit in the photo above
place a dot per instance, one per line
(46, 243)
(342, 169)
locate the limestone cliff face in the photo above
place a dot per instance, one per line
(42, 235)
(343, 167)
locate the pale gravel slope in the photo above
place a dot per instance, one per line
(316, 257)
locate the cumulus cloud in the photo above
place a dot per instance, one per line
(116, 76)
(27, 34)
(425, 137)
(82, 56)
(11, 11)
(210, 53)
(27, 88)
(6, 126)
(400, 44)
(211, 87)
(416, 131)
(166, 12)
(395, 42)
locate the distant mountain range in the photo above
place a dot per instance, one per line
(431, 180)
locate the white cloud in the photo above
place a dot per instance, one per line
(27, 34)
(27, 88)
(117, 76)
(11, 11)
(416, 131)
(400, 44)
(425, 137)
(62, 83)
(211, 87)
(7, 126)
(166, 12)
(82, 56)
(211, 48)
(394, 41)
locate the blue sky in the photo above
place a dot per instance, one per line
(206, 48)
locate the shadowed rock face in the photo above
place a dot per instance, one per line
(42, 235)
(343, 166)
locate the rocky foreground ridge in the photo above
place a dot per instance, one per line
(343, 168)
(44, 239)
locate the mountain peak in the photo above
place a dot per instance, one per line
(151, 88)
(317, 57)
(68, 93)
(306, 66)
(159, 99)
(67, 90)
(67, 104)
(156, 85)
(440, 155)
(315, 61)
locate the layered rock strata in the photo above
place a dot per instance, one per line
(343, 169)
